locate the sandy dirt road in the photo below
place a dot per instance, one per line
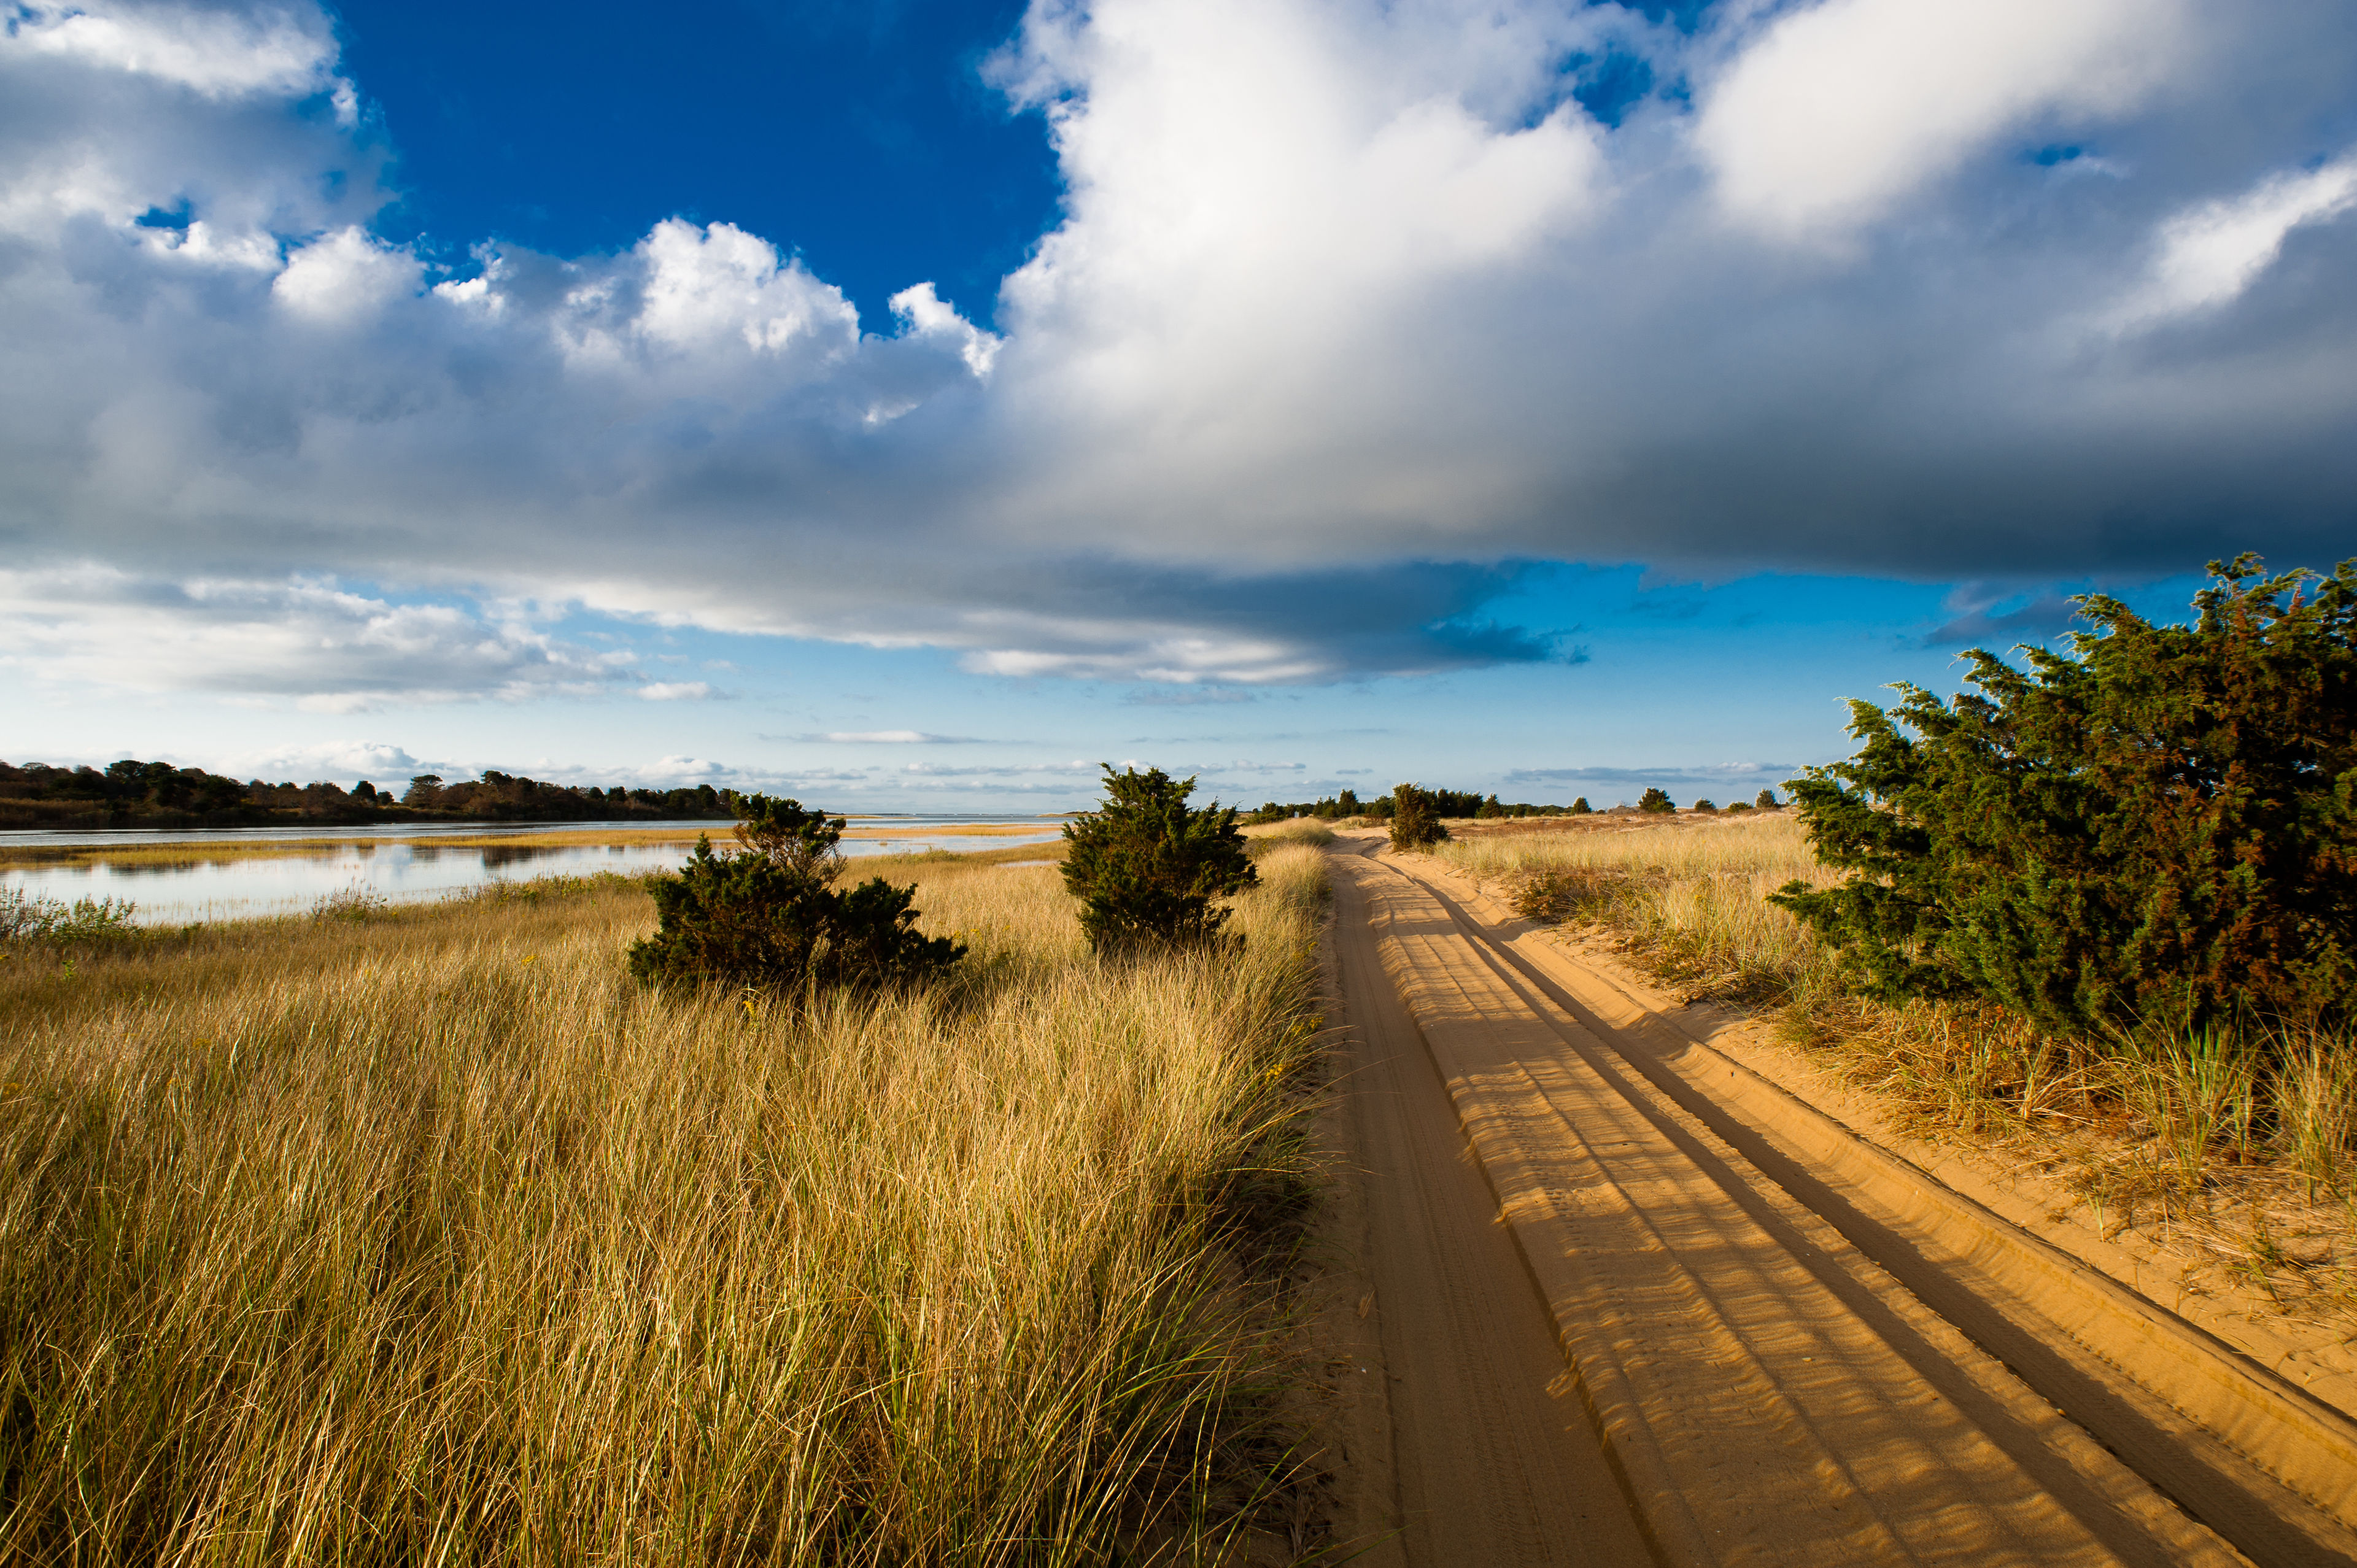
(1620, 1318)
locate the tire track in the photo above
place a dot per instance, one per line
(1778, 1372)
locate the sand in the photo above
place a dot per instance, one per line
(1767, 1342)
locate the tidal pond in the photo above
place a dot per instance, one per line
(197, 875)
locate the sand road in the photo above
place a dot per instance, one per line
(1628, 1314)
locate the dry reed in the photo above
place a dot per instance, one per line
(428, 1238)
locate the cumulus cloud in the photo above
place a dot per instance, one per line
(2211, 254)
(321, 646)
(1833, 112)
(1332, 284)
(217, 53)
(340, 761)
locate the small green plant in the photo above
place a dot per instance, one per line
(1146, 866)
(1766, 800)
(768, 916)
(1657, 800)
(1705, 808)
(52, 920)
(1416, 822)
(354, 901)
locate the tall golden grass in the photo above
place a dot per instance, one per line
(1688, 895)
(427, 1237)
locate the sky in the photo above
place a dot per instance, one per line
(913, 406)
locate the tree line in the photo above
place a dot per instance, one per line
(131, 793)
(1443, 802)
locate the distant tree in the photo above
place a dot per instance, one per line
(426, 790)
(1147, 866)
(1580, 808)
(1655, 800)
(1766, 800)
(1705, 806)
(1414, 822)
(2156, 828)
(768, 917)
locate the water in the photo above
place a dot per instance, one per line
(380, 861)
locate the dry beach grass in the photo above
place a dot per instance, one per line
(424, 1236)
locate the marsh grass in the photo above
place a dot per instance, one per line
(2236, 1142)
(1264, 836)
(1688, 897)
(431, 1238)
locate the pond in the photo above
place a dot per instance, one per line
(179, 878)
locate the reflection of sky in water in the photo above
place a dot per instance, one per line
(277, 885)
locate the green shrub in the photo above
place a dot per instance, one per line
(1655, 800)
(1766, 800)
(767, 916)
(1146, 866)
(2157, 828)
(52, 920)
(1705, 808)
(1416, 822)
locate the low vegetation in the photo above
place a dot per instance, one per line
(1148, 868)
(1415, 818)
(425, 1235)
(767, 918)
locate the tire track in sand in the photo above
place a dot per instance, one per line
(1762, 1390)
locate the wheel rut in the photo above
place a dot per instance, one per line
(1770, 1365)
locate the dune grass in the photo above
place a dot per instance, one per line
(1688, 895)
(422, 1236)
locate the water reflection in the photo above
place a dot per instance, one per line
(222, 887)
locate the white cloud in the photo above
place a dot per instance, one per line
(339, 760)
(889, 738)
(220, 53)
(322, 648)
(1837, 110)
(2208, 256)
(706, 285)
(675, 690)
(1347, 305)
(345, 275)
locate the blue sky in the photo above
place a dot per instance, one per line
(913, 405)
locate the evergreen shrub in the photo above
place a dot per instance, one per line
(1146, 866)
(1416, 822)
(2155, 829)
(768, 916)
(1656, 800)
